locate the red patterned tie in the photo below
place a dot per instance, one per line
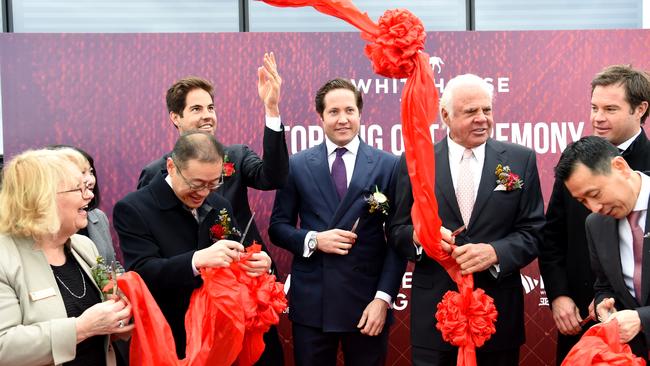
(637, 246)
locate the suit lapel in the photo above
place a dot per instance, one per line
(645, 271)
(444, 183)
(363, 166)
(609, 253)
(493, 156)
(320, 172)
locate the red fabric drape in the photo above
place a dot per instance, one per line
(600, 346)
(395, 48)
(225, 322)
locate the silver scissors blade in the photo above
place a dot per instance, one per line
(114, 277)
(248, 226)
(354, 226)
(456, 232)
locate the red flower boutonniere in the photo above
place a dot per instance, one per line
(228, 167)
(377, 201)
(506, 179)
(223, 227)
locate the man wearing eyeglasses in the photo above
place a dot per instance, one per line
(164, 228)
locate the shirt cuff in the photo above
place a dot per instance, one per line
(194, 270)
(495, 270)
(306, 252)
(274, 123)
(386, 297)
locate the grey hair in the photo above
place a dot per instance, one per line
(465, 80)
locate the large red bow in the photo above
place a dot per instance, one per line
(225, 322)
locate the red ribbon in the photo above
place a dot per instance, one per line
(396, 49)
(225, 322)
(601, 346)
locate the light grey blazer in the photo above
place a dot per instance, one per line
(34, 326)
(100, 234)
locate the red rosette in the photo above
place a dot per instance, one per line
(394, 49)
(228, 169)
(466, 321)
(217, 232)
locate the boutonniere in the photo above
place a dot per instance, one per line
(105, 277)
(507, 180)
(228, 167)
(377, 201)
(223, 227)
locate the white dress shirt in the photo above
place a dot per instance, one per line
(625, 144)
(625, 233)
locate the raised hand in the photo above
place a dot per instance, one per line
(268, 85)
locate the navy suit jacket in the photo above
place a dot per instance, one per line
(605, 255)
(330, 291)
(510, 221)
(158, 237)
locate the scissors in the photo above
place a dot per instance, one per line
(456, 232)
(355, 225)
(114, 277)
(248, 226)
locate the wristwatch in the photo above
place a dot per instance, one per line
(312, 242)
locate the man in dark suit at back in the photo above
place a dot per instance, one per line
(619, 107)
(598, 177)
(503, 216)
(343, 275)
(164, 228)
(190, 102)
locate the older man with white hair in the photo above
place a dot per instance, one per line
(492, 189)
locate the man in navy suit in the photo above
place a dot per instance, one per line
(502, 216)
(343, 275)
(597, 176)
(164, 228)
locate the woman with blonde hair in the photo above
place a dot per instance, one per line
(51, 308)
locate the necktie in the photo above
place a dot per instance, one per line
(465, 187)
(637, 247)
(339, 176)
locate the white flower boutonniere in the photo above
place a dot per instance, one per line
(378, 201)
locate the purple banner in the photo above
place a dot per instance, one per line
(106, 94)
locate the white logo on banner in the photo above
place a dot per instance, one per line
(530, 283)
(436, 61)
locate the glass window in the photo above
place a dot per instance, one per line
(435, 14)
(558, 14)
(111, 16)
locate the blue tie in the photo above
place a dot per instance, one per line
(339, 176)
